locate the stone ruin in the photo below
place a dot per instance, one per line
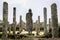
(29, 21)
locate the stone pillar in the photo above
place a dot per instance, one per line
(35, 25)
(38, 25)
(5, 21)
(20, 27)
(9, 28)
(50, 28)
(14, 20)
(49, 24)
(45, 21)
(39, 19)
(29, 21)
(54, 20)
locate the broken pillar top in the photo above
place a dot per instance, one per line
(14, 8)
(5, 2)
(39, 18)
(45, 9)
(53, 4)
(14, 11)
(5, 5)
(20, 17)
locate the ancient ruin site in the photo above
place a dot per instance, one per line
(34, 26)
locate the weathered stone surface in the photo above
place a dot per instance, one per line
(45, 20)
(20, 27)
(9, 28)
(14, 20)
(29, 22)
(50, 25)
(54, 20)
(38, 25)
(5, 21)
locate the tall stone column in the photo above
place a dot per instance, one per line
(45, 21)
(20, 27)
(14, 20)
(54, 20)
(38, 25)
(49, 24)
(5, 20)
(39, 19)
(9, 28)
(29, 21)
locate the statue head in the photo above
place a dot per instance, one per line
(30, 10)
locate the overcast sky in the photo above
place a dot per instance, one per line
(22, 7)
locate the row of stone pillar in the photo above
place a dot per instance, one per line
(54, 21)
(29, 21)
(5, 21)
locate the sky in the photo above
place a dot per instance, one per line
(22, 7)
